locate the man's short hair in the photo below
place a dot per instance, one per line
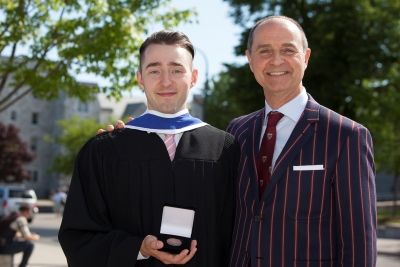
(261, 21)
(168, 38)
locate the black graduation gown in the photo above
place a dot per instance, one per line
(121, 183)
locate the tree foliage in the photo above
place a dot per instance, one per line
(13, 155)
(381, 112)
(355, 58)
(234, 93)
(75, 133)
(354, 66)
(44, 44)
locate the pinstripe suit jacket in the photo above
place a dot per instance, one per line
(307, 218)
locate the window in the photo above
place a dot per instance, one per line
(34, 176)
(83, 107)
(35, 118)
(16, 193)
(13, 115)
(34, 143)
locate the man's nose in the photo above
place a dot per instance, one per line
(277, 58)
(165, 79)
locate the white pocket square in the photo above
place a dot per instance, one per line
(308, 168)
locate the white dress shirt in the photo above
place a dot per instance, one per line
(292, 111)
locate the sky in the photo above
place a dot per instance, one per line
(215, 35)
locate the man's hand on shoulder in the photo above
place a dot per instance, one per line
(110, 128)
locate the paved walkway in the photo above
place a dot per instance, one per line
(387, 246)
(388, 242)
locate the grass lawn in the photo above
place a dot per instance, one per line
(385, 215)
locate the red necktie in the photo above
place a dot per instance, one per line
(170, 144)
(264, 166)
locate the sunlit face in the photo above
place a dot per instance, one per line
(278, 59)
(166, 76)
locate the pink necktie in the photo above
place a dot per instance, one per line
(169, 141)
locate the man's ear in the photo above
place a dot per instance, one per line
(195, 75)
(248, 55)
(139, 80)
(307, 56)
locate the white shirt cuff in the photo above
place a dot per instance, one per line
(141, 257)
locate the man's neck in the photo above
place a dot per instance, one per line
(277, 100)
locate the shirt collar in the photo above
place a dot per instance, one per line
(292, 109)
(165, 115)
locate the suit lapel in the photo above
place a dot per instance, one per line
(252, 146)
(301, 133)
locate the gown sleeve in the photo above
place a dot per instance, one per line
(86, 234)
(227, 216)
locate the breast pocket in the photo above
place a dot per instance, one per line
(309, 191)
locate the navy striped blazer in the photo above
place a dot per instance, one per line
(323, 217)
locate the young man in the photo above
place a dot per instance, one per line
(122, 182)
(306, 185)
(10, 242)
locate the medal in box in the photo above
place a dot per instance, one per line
(176, 229)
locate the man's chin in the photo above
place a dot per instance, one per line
(169, 109)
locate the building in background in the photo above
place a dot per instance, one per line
(196, 106)
(38, 118)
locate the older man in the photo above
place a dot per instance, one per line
(306, 191)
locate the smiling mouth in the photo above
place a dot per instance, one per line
(277, 73)
(167, 94)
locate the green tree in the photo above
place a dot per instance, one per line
(13, 155)
(75, 133)
(354, 46)
(354, 67)
(44, 44)
(382, 114)
(234, 93)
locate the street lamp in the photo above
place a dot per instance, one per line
(206, 83)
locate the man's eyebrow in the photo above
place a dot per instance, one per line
(289, 45)
(152, 64)
(263, 46)
(157, 64)
(175, 64)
